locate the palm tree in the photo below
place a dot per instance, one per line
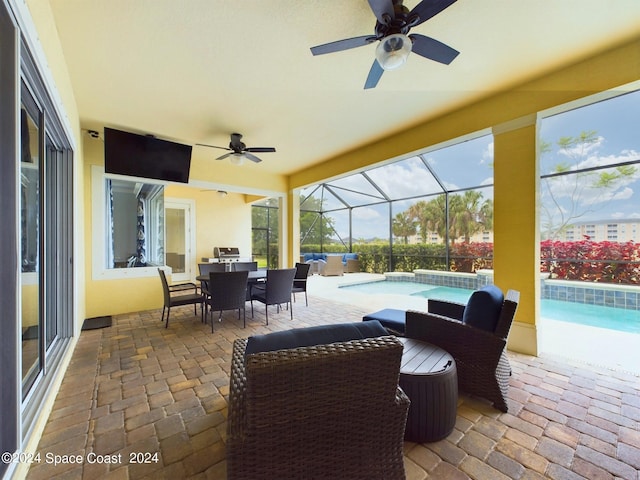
(429, 216)
(470, 216)
(404, 225)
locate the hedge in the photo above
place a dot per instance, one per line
(588, 261)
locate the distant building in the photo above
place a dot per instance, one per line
(604, 230)
(597, 231)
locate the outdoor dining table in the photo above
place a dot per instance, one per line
(254, 276)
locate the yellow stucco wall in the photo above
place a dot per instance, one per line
(219, 221)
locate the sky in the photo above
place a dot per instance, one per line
(616, 124)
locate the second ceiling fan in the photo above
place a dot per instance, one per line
(394, 21)
(238, 151)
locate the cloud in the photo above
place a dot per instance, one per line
(405, 179)
(487, 154)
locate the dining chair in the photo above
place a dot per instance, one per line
(227, 291)
(300, 281)
(179, 300)
(205, 269)
(275, 291)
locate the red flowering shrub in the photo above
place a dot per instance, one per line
(588, 261)
(471, 257)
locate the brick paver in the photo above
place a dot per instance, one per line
(154, 399)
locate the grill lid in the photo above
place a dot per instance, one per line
(226, 252)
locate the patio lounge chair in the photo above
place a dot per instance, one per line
(475, 335)
(317, 402)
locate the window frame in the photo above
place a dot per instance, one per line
(99, 268)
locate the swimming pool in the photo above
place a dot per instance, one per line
(571, 312)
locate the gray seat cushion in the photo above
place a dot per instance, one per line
(306, 337)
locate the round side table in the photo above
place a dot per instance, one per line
(428, 376)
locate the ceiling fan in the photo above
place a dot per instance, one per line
(238, 151)
(394, 21)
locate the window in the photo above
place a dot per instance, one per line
(129, 242)
(264, 233)
(590, 180)
(135, 222)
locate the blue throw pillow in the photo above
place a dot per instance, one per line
(307, 257)
(306, 337)
(483, 308)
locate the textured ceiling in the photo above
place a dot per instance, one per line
(195, 71)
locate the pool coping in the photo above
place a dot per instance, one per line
(626, 297)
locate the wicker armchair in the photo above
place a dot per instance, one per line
(481, 360)
(325, 411)
(332, 266)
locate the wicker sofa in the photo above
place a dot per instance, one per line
(350, 261)
(317, 410)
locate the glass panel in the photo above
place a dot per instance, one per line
(30, 205)
(316, 231)
(405, 179)
(265, 228)
(464, 165)
(135, 224)
(321, 200)
(340, 233)
(355, 190)
(55, 260)
(371, 224)
(590, 179)
(176, 235)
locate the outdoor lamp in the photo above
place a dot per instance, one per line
(237, 159)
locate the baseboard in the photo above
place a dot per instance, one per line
(523, 338)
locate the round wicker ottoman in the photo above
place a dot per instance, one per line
(428, 377)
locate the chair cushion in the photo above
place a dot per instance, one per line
(483, 308)
(320, 335)
(389, 318)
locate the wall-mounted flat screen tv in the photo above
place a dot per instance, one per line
(145, 156)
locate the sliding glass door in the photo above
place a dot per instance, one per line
(30, 245)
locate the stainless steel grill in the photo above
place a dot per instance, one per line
(226, 254)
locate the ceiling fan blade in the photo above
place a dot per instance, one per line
(260, 149)
(224, 156)
(374, 75)
(212, 146)
(433, 49)
(345, 44)
(251, 157)
(429, 8)
(381, 9)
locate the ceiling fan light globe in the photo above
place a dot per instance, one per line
(237, 159)
(392, 51)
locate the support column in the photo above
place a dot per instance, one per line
(516, 233)
(293, 219)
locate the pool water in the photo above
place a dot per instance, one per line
(580, 313)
